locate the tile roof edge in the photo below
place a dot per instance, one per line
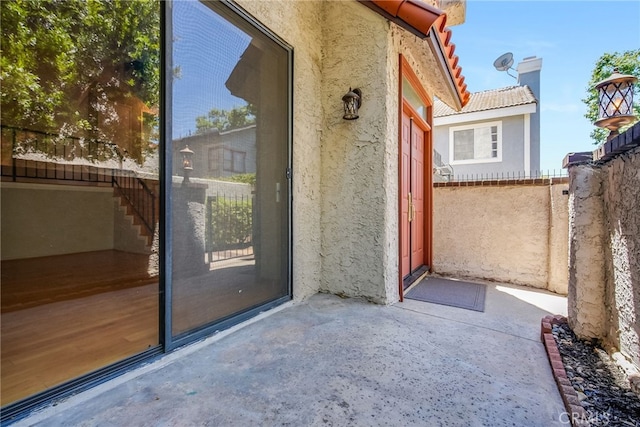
(421, 18)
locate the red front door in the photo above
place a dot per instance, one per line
(412, 189)
(417, 195)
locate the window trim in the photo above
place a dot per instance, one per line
(453, 129)
(234, 167)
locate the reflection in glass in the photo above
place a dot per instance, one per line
(80, 94)
(230, 220)
(410, 94)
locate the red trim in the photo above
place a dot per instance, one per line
(421, 17)
(400, 106)
(407, 72)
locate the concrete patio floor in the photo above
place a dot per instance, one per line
(333, 361)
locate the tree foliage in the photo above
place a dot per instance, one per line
(224, 120)
(65, 62)
(229, 223)
(627, 62)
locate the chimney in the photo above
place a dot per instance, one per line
(529, 74)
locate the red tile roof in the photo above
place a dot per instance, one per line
(420, 18)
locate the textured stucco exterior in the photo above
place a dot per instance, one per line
(515, 234)
(586, 261)
(604, 286)
(345, 173)
(300, 23)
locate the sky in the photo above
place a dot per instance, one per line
(204, 66)
(569, 36)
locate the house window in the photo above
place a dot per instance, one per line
(480, 143)
(213, 159)
(234, 161)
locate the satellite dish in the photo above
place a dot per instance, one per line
(504, 63)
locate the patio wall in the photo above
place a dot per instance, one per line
(604, 244)
(513, 231)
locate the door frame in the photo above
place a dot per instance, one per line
(403, 106)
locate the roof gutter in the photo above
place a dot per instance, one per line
(439, 52)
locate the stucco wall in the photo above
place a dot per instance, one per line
(621, 195)
(586, 261)
(36, 220)
(300, 23)
(604, 285)
(354, 175)
(515, 234)
(345, 173)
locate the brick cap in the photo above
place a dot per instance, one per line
(573, 159)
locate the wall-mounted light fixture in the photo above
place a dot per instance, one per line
(187, 162)
(352, 101)
(615, 102)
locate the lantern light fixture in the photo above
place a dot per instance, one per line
(187, 162)
(352, 101)
(615, 102)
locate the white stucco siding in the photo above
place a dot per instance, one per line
(299, 23)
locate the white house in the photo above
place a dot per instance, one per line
(496, 134)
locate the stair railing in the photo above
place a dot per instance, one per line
(138, 195)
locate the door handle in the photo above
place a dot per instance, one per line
(410, 210)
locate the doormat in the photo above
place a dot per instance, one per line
(453, 293)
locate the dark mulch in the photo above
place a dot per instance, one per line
(602, 387)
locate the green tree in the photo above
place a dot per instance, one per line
(64, 62)
(223, 120)
(627, 63)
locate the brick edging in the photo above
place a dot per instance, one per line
(575, 412)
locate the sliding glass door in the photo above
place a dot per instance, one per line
(145, 197)
(80, 190)
(230, 180)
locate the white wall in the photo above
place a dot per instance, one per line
(42, 220)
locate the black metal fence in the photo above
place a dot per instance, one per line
(506, 176)
(30, 154)
(229, 226)
(34, 154)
